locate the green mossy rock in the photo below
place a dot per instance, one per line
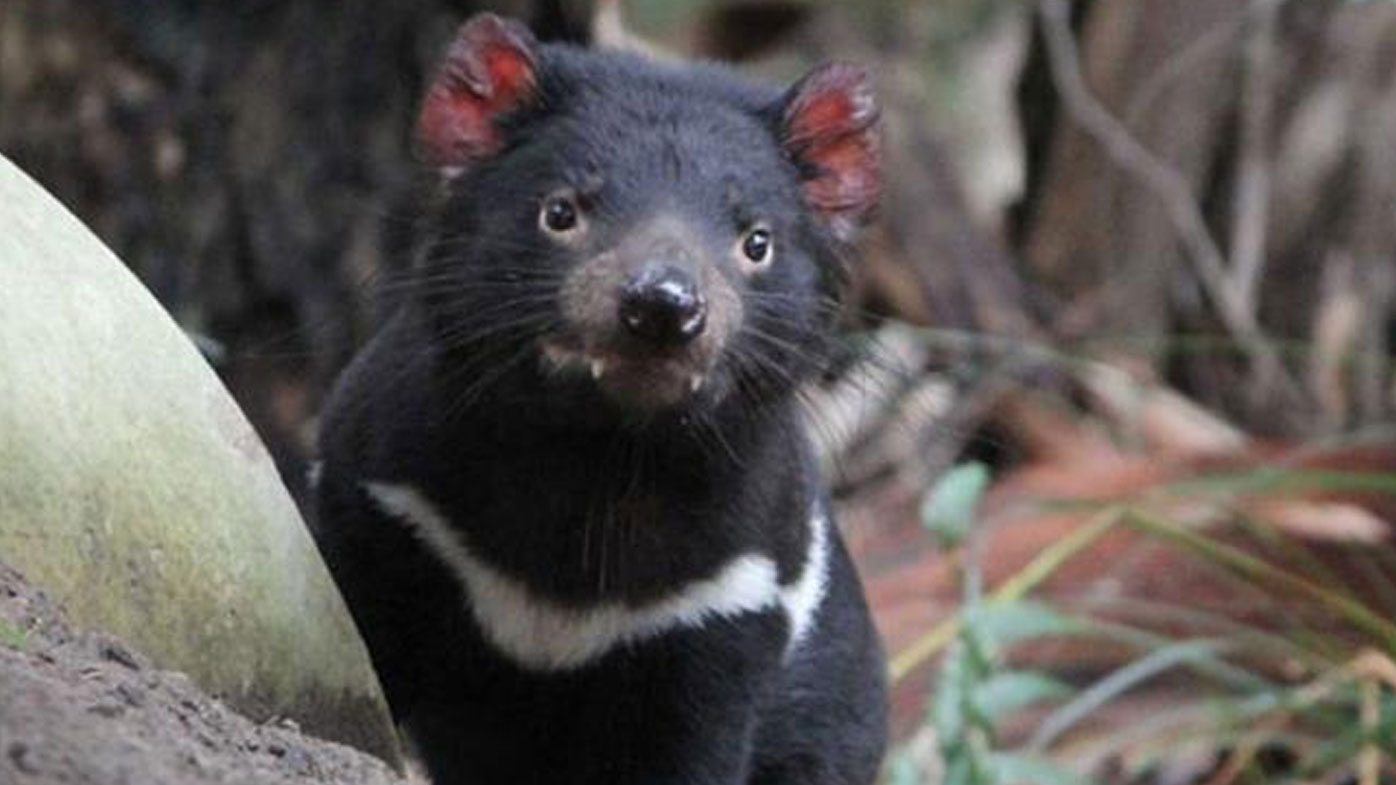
(134, 491)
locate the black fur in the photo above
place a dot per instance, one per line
(584, 499)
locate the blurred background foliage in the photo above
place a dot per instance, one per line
(1134, 275)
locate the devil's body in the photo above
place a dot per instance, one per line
(626, 575)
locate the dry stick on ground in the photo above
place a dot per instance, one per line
(1167, 184)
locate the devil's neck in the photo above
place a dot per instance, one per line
(591, 499)
(718, 439)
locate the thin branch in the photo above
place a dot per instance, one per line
(1200, 51)
(1252, 197)
(1163, 180)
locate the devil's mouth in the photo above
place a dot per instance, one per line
(644, 380)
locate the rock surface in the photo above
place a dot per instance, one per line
(84, 709)
(136, 493)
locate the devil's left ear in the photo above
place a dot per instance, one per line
(829, 129)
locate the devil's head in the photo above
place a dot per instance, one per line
(665, 236)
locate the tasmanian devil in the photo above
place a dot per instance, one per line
(565, 490)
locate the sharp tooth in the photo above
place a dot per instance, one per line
(696, 383)
(598, 368)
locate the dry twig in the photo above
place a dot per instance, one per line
(1252, 196)
(1166, 183)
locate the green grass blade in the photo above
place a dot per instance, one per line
(1012, 768)
(1242, 563)
(1120, 681)
(1003, 694)
(1011, 590)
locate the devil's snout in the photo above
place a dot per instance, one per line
(663, 306)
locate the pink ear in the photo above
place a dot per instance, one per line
(488, 71)
(830, 129)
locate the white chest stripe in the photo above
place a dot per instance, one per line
(540, 634)
(803, 598)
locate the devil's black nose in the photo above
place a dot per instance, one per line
(663, 306)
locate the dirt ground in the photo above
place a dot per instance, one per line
(81, 708)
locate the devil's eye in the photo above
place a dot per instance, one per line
(559, 214)
(756, 246)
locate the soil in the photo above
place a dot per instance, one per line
(82, 708)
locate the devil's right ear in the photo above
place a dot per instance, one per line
(489, 70)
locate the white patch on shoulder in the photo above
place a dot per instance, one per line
(540, 634)
(803, 597)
